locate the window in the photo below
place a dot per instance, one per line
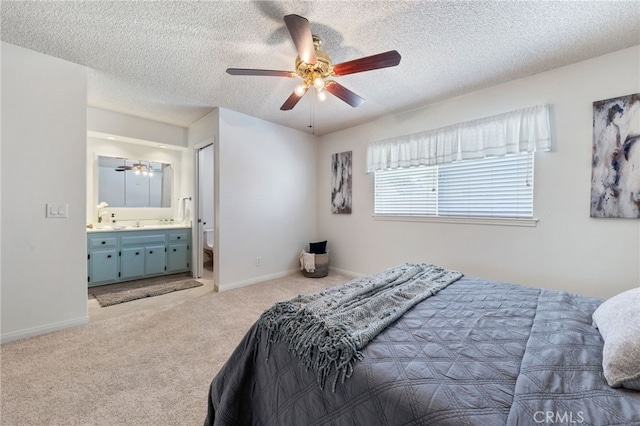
(495, 187)
(478, 171)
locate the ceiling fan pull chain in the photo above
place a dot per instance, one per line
(311, 123)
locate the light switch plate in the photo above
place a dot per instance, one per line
(57, 210)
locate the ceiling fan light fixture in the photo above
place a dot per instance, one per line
(141, 168)
(322, 95)
(301, 89)
(318, 83)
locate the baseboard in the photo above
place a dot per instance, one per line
(238, 284)
(345, 272)
(256, 280)
(43, 329)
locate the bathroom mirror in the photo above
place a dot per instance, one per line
(134, 183)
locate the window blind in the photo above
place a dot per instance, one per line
(490, 187)
(406, 192)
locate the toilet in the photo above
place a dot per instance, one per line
(207, 241)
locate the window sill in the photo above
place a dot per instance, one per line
(461, 220)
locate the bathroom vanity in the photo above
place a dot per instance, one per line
(116, 255)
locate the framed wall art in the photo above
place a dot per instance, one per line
(615, 173)
(341, 183)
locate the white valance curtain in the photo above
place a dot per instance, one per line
(525, 130)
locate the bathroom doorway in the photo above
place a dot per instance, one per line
(205, 209)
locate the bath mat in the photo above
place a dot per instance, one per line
(112, 294)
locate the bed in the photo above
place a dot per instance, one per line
(475, 352)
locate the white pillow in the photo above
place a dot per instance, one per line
(618, 320)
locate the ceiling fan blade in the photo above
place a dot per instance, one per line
(339, 91)
(248, 71)
(301, 34)
(292, 100)
(374, 62)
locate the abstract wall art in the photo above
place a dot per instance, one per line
(341, 183)
(615, 175)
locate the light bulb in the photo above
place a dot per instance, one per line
(300, 89)
(318, 83)
(137, 171)
(322, 96)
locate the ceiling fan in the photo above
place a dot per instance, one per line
(315, 67)
(137, 168)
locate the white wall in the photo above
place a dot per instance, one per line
(203, 130)
(567, 250)
(266, 206)
(43, 266)
(201, 133)
(103, 122)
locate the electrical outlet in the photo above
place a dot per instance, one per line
(259, 261)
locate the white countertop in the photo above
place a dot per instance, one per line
(118, 228)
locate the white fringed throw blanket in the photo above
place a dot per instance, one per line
(327, 330)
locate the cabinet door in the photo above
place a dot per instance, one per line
(132, 263)
(103, 267)
(154, 260)
(178, 258)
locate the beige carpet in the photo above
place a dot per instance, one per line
(151, 367)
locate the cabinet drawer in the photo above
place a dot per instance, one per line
(108, 242)
(179, 236)
(143, 240)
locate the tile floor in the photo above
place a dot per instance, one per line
(97, 312)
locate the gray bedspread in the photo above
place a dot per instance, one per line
(476, 353)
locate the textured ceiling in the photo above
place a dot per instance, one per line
(166, 60)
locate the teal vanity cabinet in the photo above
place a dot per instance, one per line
(103, 265)
(142, 254)
(178, 252)
(132, 263)
(155, 260)
(116, 256)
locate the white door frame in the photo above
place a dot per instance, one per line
(197, 231)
